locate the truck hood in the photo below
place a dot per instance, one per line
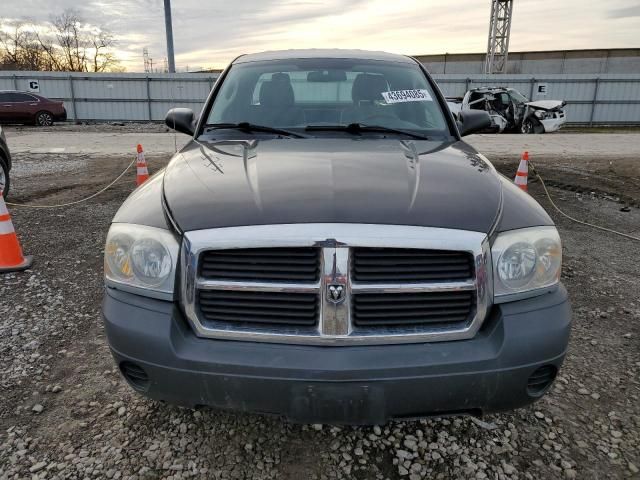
(548, 104)
(354, 180)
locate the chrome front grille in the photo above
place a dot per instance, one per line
(335, 284)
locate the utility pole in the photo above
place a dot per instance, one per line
(499, 31)
(169, 29)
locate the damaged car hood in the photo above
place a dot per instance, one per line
(353, 180)
(547, 104)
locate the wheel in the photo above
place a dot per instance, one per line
(4, 178)
(531, 126)
(44, 119)
(527, 126)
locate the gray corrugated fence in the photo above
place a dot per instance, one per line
(116, 96)
(591, 99)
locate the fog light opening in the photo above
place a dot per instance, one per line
(135, 375)
(541, 379)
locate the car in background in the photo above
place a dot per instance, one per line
(5, 165)
(30, 109)
(511, 111)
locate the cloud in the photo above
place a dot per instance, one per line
(626, 12)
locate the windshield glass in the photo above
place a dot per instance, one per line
(294, 94)
(518, 97)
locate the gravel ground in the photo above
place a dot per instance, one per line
(66, 413)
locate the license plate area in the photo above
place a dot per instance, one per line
(338, 404)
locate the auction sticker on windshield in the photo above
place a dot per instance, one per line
(399, 96)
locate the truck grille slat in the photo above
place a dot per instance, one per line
(288, 306)
(274, 308)
(418, 305)
(242, 267)
(408, 277)
(296, 264)
(412, 268)
(259, 319)
(409, 264)
(409, 321)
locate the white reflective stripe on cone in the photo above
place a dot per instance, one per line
(3, 208)
(520, 181)
(143, 170)
(6, 227)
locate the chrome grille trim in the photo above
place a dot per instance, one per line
(258, 286)
(335, 326)
(412, 287)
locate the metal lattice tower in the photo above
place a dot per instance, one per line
(499, 30)
(148, 61)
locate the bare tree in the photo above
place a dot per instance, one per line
(11, 40)
(66, 43)
(103, 58)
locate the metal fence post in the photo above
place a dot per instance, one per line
(149, 98)
(467, 83)
(15, 82)
(73, 99)
(593, 103)
(533, 83)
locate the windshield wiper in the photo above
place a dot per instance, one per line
(251, 127)
(357, 128)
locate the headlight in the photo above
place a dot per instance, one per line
(542, 115)
(526, 260)
(141, 259)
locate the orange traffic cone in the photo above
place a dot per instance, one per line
(523, 172)
(11, 258)
(143, 173)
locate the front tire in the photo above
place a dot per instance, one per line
(530, 126)
(5, 182)
(44, 119)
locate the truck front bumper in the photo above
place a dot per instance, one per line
(554, 124)
(508, 364)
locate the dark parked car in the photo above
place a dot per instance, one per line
(29, 108)
(5, 165)
(327, 248)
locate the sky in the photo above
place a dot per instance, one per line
(211, 33)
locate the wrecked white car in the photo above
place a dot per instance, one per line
(511, 111)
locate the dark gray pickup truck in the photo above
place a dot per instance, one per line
(328, 249)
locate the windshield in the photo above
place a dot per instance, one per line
(518, 97)
(300, 93)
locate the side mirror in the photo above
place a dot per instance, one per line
(182, 120)
(472, 121)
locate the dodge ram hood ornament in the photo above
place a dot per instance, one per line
(335, 292)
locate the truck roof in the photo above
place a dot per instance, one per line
(323, 53)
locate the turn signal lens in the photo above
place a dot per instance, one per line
(117, 255)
